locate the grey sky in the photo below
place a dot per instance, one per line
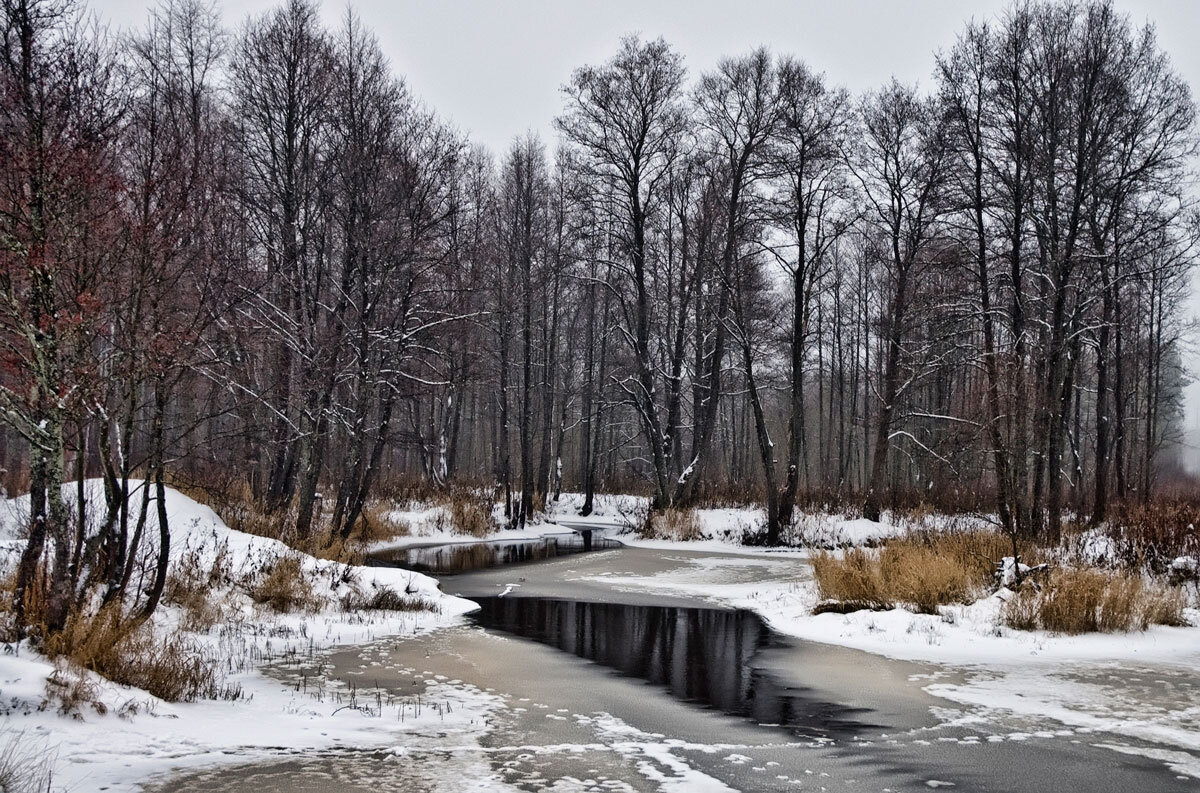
(494, 67)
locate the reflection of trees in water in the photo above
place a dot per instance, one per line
(465, 557)
(701, 655)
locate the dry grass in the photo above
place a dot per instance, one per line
(191, 584)
(1155, 534)
(385, 599)
(127, 651)
(70, 691)
(1165, 607)
(409, 489)
(378, 524)
(333, 548)
(26, 766)
(853, 579)
(235, 504)
(922, 571)
(1087, 600)
(672, 524)
(284, 587)
(469, 513)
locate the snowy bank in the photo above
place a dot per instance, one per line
(120, 736)
(1137, 685)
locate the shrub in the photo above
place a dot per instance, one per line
(408, 489)
(284, 587)
(127, 651)
(672, 524)
(1086, 600)
(1155, 534)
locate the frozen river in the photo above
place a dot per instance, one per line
(603, 686)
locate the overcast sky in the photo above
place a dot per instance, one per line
(494, 67)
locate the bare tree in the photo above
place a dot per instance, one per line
(627, 118)
(900, 165)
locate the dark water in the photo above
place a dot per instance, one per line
(468, 557)
(711, 657)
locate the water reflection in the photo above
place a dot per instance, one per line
(467, 557)
(700, 655)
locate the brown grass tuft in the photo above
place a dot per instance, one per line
(469, 513)
(672, 524)
(284, 587)
(852, 580)
(26, 766)
(377, 524)
(333, 548)
(923, 570)
(385, 599)
(1088, 600)
(127, 651)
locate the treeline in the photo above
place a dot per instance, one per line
(254, 257)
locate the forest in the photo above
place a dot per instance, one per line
(253, 259)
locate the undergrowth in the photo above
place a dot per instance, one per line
(1087, 600)
(190, 586)
(920, 571)
(127, 650)
(26, 766)
(285, 587)
(672, 524)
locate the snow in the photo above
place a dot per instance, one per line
(655, 757)
(1077, 701)
(119, 753)
(429, 525)
(607, 509)
(1032, 674)
(139, 735)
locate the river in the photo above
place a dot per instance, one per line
(607, 687)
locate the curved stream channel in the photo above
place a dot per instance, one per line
(602, 686)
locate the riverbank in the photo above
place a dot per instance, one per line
(87, 733)
(1138, 685)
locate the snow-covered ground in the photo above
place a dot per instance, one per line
(726, 527)
(430, 524)
(138, 736)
